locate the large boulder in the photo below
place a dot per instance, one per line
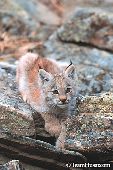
(89, 26)
(86, 39)
(91, 131)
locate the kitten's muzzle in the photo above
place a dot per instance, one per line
(63, 99)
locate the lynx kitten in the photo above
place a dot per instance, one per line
(50, 88)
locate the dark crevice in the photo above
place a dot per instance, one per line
(51, 140)
(84, 44)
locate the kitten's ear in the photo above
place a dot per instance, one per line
(70, 72)
(45, 76)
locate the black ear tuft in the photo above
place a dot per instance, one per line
(71, 62)
(71, 72)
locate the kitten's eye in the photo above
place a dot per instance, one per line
(55, 92)
(68, 90)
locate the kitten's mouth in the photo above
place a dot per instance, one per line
(62, 105)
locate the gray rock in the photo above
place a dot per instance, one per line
(16, 116)
(94, 66)
(91, 129)
(90, 26)
(14, 165)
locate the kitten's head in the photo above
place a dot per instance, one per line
(59, 88)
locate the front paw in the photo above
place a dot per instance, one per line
(53, 130)
(59, 144)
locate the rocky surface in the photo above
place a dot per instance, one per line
(13, 165)
(94, 67)
(89, 26)
(37, 153)
(4, 161)
(92, 129)
(93, 119)
(77, 40)
(16, 116)
(28, 10)
(86, 39)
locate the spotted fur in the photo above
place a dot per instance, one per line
(48, 87)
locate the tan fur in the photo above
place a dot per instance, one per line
(48, 88)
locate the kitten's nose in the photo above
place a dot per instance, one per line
(62, 98)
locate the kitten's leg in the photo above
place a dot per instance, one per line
(61, 139)
(52, 124)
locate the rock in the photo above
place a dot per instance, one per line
(37, 153)
(35, 7)
(91, 131)
(94, 66)
(89, 26)
(16, 116)
(26, 20)
(21, 164)
(32, 11)
(12, 14)
(12, 165)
